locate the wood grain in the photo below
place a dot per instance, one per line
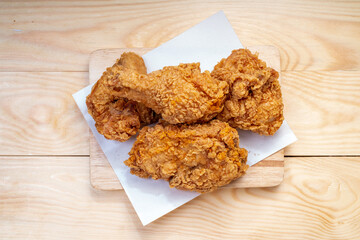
(323, 109)
(269, 173)
(59, 35)
(52, 199)
(38, 115)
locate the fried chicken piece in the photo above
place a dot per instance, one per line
(199, 157)
(181, 94)
(254, 102)
(118, 118)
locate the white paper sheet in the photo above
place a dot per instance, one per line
(207, 43)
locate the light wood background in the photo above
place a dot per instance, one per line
(45, 191)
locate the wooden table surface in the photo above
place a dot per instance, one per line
(45, 191)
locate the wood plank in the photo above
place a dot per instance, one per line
(38, 115)
(59, 35)
(52, 199)
(269, 173)
(323, 109)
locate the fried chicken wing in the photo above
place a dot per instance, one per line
(118, 118)
(199, 157)
(254, 102)
(181, 94)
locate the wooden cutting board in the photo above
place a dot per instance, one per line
(269, 172)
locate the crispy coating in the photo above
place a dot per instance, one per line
(181, 94)
(199, 157)
(118, 118)
(254, 102)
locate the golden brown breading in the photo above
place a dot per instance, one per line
(118, 118)
(199, 157)
(181, 94)
(254, 102)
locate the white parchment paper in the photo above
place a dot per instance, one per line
(207, 43)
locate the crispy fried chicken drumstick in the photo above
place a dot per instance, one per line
(199, 157)
(254, 102)
(118, 118)
(181, 94)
